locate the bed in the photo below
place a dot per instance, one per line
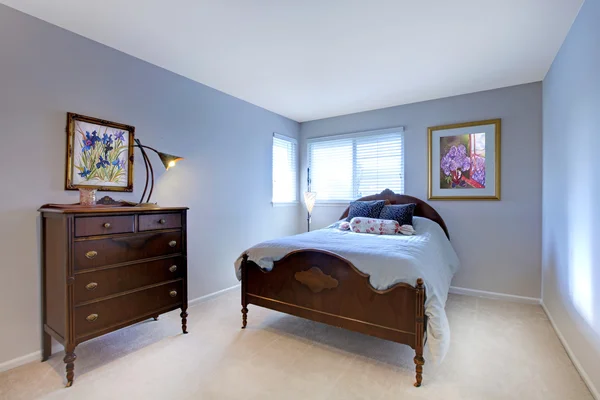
(387, 286)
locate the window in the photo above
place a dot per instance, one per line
(347, 167)
(284, 169)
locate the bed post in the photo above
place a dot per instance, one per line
(420, 333)
(244, 268)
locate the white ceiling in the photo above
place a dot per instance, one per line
(311, 59)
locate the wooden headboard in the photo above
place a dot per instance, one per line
(421, 210)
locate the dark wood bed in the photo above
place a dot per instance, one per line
(323, 286)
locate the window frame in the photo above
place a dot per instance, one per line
(356, 135)
(294, 143)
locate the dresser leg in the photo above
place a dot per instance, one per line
(244, 317)
(69, 359)
(183, 316)
(244, 268)
(155, 318)
(46, 346)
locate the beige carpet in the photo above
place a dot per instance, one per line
(499, 350)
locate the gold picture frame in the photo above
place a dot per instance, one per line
(459, 166)
(99, 154)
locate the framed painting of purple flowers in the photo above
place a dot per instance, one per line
(99, 154)
(464, 161)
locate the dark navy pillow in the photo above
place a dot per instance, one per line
(403, 213)
(365, 209)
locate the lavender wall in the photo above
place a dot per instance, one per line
(571, 205)
(498, 242)
(225, 178)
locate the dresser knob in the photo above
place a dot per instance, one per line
(91, 286)
(91, 254)
(173, 293)
(162, 221)
(91, 317)
(107, 225)
(172, 243)
(173, 268)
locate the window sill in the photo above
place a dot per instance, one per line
(333, 204)
(285, 204)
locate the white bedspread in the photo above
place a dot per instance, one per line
(388, 259)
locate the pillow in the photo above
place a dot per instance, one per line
(407, 230)
(374, 226)
(366, 209)
(344, 226)
(335, 225)
(403, 213)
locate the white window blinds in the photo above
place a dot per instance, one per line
(284, 169)
(347, 167)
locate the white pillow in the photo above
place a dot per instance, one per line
(374, 226)
(407, 230)
(344, 226)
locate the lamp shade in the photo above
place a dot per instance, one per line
(168, 160)
(309, 200)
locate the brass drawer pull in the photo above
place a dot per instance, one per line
(91, 317)
(91, 286)
(172, 243)
(162, 221)
(173, 293)
(91, 254)
(107, 225)
(173, 268)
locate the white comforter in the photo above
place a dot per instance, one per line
(388, 259)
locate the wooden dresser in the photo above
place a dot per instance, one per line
(104, 268)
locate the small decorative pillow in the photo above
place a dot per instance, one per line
(403, 213)
(344, 226)
(374, 226)
(366, 209)
(407, 230)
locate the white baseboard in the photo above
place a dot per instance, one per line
(494, 295)
(574, 360)
(37, 355)
(17, 362)
(209, 296)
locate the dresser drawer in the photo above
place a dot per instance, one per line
(93, 285)
(107, 314)
(113, 250)
(153, 222)
(91, 226)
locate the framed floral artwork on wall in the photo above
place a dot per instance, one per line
(464, 161)
(99, 154)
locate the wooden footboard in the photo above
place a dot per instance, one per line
(324, 287)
